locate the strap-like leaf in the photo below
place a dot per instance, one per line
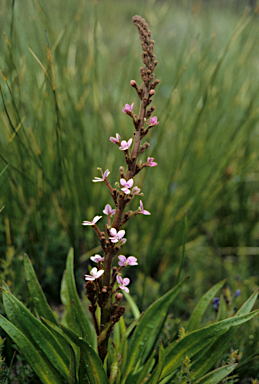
(133, 305)
(149, 327)
(92, 363)
(139, 376)
(154, 379)
(195, 341)
(75, 316)
(39, 300)
(39, 335)
(201, 307)
(216, 349)
(38, 362)
(72, 367)
(217, 375)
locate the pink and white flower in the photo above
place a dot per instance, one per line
(93, 222)
(117, 236)
(150, 162)
(97, 258)
(153, 121)
(94, 274)
(128, 108)
(123, 283)
(125, 145)
(136, 190)
(142, 210)
(124, 261)
(104, 176)
(126, 185)
(116, 140)
(108, 210)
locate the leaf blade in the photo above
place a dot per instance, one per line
(149, 327)
(46, 372)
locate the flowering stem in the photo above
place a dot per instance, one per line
(102, 291)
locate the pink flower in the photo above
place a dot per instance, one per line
(126, 185)
(128, 108)
(97, 258)
(124, 261)
(125, 144)
(116, 140)
(104, 175)
(108, 210)
(115, 237)
(95, 219)
(153, 121)
(150, 162)
(94, 274)
(142, 210)
(123, 282)
(136, 190)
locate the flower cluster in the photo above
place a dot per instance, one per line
(105, 280)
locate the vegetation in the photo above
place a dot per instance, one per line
(62, 98)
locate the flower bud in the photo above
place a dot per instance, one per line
(119, 296)
(133, 83)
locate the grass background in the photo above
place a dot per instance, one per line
(206, 145)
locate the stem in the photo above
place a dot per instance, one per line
(138, 135)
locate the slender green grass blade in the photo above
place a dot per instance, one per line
(183, 249)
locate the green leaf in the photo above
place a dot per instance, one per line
(123, 348)
(92, 363)
(38, 362)
(142, 372)
(39, 335)
(216, 348)
(39, 300)
(183, 249)
(114, 366)
(195, 341)
(133, 305)
(154, 379)
(149, 327)
(248, 304)
(222, 309)
(217, 375)
(201, 307)
(72, 367)
(5, 286)
(75, 316)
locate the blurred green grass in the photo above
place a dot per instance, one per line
(205, 145)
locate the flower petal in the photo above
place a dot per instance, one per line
(119, 279)
(132, 260)
(120, 234)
